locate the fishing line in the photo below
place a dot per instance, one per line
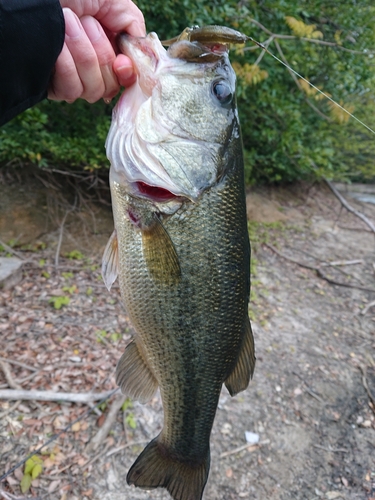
(311, 84)
(53, 438)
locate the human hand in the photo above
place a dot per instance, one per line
(88, 66)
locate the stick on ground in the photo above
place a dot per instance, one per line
(12, 394)
(349, 207)
(104, 430)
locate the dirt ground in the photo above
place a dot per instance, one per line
(311, 401)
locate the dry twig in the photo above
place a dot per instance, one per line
(10, 409)
(9, 496)
(124, 446)
(12, 394)
(17, 363)
(11, 250)
(365, 385)
(318, 271)
(333, 450)
(104, 430)
(249, 447)
(368, 307)
(349, 207)
(342, 263)
(8, 375)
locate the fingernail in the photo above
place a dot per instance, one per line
(92, 28)
(125, 71)
(73, 27)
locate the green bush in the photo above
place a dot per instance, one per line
(285, 139)
(58, 134)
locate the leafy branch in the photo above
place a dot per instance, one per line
(252, 74)
(305, 39)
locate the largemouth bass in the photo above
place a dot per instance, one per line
(180, 247)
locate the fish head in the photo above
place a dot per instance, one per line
(171, 130)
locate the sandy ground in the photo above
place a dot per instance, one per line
(310, 399)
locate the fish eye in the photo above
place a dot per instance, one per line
(222, 92)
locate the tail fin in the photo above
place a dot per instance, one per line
(156, 468)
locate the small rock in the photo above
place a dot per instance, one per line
(252, 437)
(75, 359)
(10, 272)
(331, 495)
(226, 429)
(111, 479)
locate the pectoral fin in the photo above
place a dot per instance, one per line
(160, 253)
(134, 376)
(110, 261)
(243, 371)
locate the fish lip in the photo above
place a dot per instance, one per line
(134, 47)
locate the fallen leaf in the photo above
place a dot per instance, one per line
(366, 424)
(54, 485)
(331, 495)
(12, 481)
(32, 421)
(76, 427)
(25, 483)
(100, 420)
(18, 474)
(49, 462)
(344, 481)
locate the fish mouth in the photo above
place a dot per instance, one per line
(155, 154)
(153, 193)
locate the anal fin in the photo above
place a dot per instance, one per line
(134, 376)
(243, 371)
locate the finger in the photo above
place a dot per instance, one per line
(124, 69)
(84, 57)
(115, 15)
(104, 53)
(65, 84)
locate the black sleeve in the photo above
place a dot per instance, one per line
(31, 39)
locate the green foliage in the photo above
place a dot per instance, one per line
(67, 274)
(33, 469)
(127, 404)
(130, 420)
(285, 139)
(75, 255)
(129, 417)
(100, 336)
(59, 301)
(70, 289)
(56, 133)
